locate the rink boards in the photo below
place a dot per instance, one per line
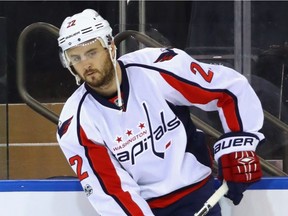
(268, 197)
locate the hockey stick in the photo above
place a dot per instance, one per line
(221, 191)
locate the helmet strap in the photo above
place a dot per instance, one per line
(114, 62)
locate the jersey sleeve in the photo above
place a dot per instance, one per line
(212, 87)
(109, 188)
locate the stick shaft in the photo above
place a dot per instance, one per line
(220, 192)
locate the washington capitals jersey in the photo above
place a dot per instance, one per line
(127, 158)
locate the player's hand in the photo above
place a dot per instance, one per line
(240, 170)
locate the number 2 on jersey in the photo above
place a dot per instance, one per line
(79, 162)
(194, 67)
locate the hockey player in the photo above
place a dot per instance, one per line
(127, 133)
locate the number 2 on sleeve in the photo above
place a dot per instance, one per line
(79, 162)
(194, 67)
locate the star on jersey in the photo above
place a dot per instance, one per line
(119, 139)
(141, 126)
(129, 132)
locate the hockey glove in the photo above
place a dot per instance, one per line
(238, 164)
(239, 169)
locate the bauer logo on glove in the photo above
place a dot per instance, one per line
(238, 163)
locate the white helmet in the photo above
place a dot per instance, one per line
(80, 28)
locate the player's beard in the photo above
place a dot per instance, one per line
(97, 78)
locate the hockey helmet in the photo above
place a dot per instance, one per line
(80, 28)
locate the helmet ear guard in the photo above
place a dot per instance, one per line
(62, 58)
(65, 64)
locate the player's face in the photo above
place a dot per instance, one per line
(92, 63)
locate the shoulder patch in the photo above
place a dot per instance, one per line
(63, 128)
(167, 55)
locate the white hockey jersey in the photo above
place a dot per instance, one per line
(126, 158)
